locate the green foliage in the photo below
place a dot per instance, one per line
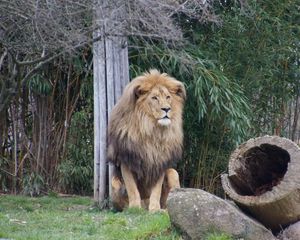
(39, 85)
(76, 171)
(260, 51)
(33, 184)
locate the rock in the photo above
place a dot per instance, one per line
(291, 233)
(196, 212)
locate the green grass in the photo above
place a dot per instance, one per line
(75, 218)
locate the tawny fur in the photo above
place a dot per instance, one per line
(136, 139)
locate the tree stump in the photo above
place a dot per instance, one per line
(264, 180)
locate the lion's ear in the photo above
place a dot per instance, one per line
(180, 91)
(138, 91)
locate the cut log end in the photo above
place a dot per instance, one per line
(262, 168)
(264, 180)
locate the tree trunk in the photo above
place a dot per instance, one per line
(14, 118)
(264, 180)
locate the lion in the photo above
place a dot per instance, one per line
(145, 140)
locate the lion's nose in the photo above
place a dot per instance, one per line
(167, 109)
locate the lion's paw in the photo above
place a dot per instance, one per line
(135, 204)
(154, 207)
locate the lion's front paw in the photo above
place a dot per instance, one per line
(154, 207)
(135, 204)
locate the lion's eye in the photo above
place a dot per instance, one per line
(154, 98)
(168, 97)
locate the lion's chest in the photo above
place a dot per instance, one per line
(146, 161)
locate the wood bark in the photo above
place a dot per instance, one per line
(117, 77)
(264, 180)
(14, 118)
(99, 120)
(111, 74)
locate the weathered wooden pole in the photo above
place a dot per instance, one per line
(117, 69)
(99, 119)
(111, 74)
(264, 179)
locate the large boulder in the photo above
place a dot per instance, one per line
(196, 212)
(291, 233)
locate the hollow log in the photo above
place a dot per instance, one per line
(264, 180)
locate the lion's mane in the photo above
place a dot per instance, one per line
(134, 138)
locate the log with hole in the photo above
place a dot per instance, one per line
(264, 180)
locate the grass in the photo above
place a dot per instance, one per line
(75, 218)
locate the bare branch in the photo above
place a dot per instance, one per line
(51, 58)
(29, 27)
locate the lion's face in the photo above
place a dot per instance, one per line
(160, 98)
(159, 104)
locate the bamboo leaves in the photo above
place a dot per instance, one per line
(221, 99)
(39, 85)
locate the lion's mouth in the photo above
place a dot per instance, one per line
(165, 121)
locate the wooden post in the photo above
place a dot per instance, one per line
(117, 76)
(109, 47)
(111, 74)
(100, 119)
